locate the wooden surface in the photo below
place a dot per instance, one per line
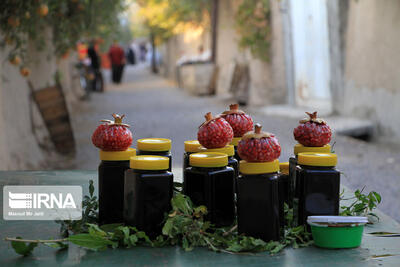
(366, 255)
(52, 107)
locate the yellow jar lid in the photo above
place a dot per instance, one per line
(228, 150)
(149, 163)
(235, 141)
(208, 159)
(117, 155)
(154, 144)
(258, 167)
(284, 167)
(192, 146)
(317, 159)
(299, 148)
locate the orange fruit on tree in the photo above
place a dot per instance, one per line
(43, 10)
(15, 60)
(12, 21)
(24, 71)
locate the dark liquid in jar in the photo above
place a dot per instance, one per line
(213, 188)
(258, 206)
(319, 191)
(147, 199)
(111, 188)
(283, 183)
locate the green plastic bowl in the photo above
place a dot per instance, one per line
(337, 231)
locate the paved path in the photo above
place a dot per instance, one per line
(155, 108)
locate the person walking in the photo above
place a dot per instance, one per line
(97, 82)
(117, 58)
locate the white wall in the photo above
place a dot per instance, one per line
(372, 56)
(19, 149)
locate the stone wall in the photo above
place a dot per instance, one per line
(267, 79)
(20, 148)
(371, 78)
(179, 45)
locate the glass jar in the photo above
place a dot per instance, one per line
(210, 182)
(235, 142)
(319, 187)
(229, 150)
(148, 193)
(258, 204)
(295, 183)
(155, 147)
(283, 189)
(111, 184)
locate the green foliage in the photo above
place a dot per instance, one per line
(57, 245)
(165, 18)
(100, 238)
(184, 226)
(363, 204)
(90, 215)
(253, 22)
(69, 21)
(23, 248)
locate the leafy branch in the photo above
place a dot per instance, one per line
(90, 215)
(363, 204)
(184, 226)
(253, 22)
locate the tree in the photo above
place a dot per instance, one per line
(165, 18)
(70, 21)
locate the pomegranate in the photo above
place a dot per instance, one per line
(112, 135)
(312, 131)
(240, 122)
(215, 132)
(258, 146)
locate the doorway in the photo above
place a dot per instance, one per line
(310, 51)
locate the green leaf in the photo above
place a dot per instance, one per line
(126, 239)
(143, 236)
(133, 240)
(160, 241)
(95, 230)
(23, 248)
(110, 227)
(58, 245)
(377, 196)
(186, 245)
(89, 241)
(182, 203)
(278, 247)
(166, 230)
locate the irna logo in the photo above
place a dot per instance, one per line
(41, 200)
(38, 202)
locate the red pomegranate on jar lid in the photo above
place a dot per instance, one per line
(215, 132)
(240, 122)
(112, 135)
(312, 131)
(258, 146)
